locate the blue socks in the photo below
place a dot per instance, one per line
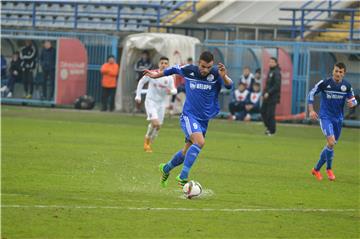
(177, 159)
(329, 157)
(190, 158)
(325, 156)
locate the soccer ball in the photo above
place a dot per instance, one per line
(192, 189)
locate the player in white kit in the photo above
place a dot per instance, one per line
(155, 101)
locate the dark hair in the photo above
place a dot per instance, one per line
(145, 52)
(164, 58)
(258, 70)
(207, 56)
(110, 56)
(275, 59)
(247, 67)
(189, 59)
(16, 53)
(340, 65)
(256, 84)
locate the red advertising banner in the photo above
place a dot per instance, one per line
(71, 78)
(285, 63)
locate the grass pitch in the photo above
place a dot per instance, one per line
(74, 174)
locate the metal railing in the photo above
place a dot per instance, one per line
(76, 14)
(301, 24)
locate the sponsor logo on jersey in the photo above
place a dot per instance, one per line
(210, 77)
(343, 88)
(199, 86)
(334, 96)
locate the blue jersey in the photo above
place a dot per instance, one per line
(201, 91)
(333, 97)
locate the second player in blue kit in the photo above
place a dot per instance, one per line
(335, 91)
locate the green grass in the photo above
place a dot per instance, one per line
(93, 180)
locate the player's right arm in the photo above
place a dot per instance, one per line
(317, 88)
(167, 72)
(140, 85)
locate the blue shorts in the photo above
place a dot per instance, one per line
(331, 127)
(190, 125)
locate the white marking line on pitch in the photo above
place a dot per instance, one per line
(189, 209)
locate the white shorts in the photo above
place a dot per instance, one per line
(155, 110)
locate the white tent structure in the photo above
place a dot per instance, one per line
(176, 47)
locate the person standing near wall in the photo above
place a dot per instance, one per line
(14, 75)
(109, 71)
(48, 62)
(28, 62)
(271, 97)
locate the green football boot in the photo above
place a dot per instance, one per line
(181, 182)
(164, 176)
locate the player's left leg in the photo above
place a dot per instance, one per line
(157, 122)
(151, 133)
(177, 160)
(152, 116)
(331, 141)
(328, 130)
(192, 153)
(329, 156)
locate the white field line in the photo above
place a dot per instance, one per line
(188, 209)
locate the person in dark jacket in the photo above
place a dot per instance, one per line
(48, 62)
(28, 63)
(144, 63)
(14, 70)
(3, 68)
(271, 96)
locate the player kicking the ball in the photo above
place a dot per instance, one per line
(155, 101)
(202, 87)
(334, 92)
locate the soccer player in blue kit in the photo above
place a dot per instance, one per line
(202, 85)
(334, 92)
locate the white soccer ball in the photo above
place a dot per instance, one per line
(192, 189)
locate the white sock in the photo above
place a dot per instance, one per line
(149, 131)
(153, 135)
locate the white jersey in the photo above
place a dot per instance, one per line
(158, 88)
(241, 96)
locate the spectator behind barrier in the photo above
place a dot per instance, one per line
(3, 68)
(247, 78)
(257, 76)
(48, 62)
(28, 56)
(237, 106)
(252, 106)
(143, 63)
(14, 76)
(109, 71)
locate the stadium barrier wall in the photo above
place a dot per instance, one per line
(98, 48)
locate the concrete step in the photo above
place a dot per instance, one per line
(329, 39)
(335, 34)
(356, 18)
(345, 25)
